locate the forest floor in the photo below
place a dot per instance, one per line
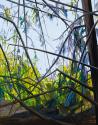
(23, 117)
(37, 121)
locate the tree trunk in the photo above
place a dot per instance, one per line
(92, 48)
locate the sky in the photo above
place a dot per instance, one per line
(52, 29)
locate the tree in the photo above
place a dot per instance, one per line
(29, 37)
(92, 48)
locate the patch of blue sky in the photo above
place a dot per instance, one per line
(52, 29)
